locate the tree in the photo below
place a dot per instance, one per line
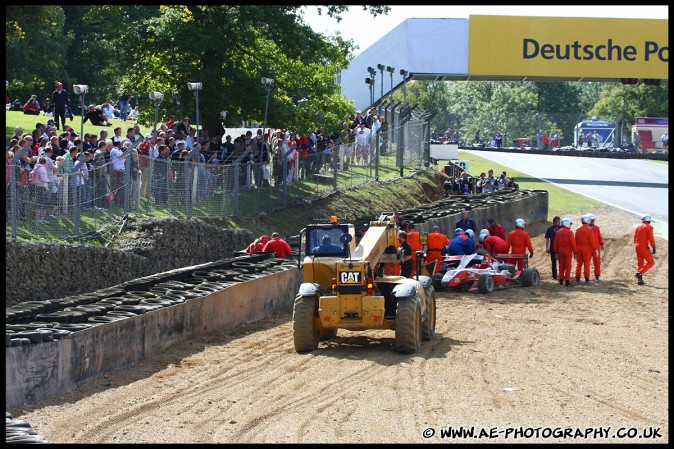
(36, 45)
(229, 48)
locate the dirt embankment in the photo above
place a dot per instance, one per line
(544, 357)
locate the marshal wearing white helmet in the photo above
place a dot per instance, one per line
(643, 236)
(587, 247)
(565, 248)
(596, 260)
(519, 242)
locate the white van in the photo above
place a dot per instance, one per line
(650, 131)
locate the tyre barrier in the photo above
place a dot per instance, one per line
(248, 266)
(31, 322)
(227, 274)
(19, 431)
(141, 294)
(73, 327)
(245, 278)
(186, 294)
(32, 336)
(122, 313)
(63, 317)
(205, 275)
(104, 319)
(156, 302)
(88, 309)
(173, 299)
(135, 308)
(131, 300)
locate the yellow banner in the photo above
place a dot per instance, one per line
(565, 47)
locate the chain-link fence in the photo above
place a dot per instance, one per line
(77, 203)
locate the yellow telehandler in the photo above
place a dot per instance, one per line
(345, 287)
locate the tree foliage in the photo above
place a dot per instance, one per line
(229, 48)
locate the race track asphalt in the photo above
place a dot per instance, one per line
(635, 185)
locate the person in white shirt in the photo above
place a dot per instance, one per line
(117, 175)
(108, 110)
(665, 141)
(190, 139)
(376, 126)
(362, 144)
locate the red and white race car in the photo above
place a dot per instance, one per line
(484, 273)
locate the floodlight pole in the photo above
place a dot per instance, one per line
(267, 83)
(81, 89)
(390, 70)
(404, 74)
(381, 68)
(81, 118)
(196, 95)
(196, 87)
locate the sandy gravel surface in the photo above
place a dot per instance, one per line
(541, 357)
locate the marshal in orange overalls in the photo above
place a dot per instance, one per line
(565, 248)
(643, 235)
(518, 243)
(436, 243)
(587, 244)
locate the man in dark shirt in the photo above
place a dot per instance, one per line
(327, 246)
(466, 223)
(61, 103)
(550, 243)
(406, 267)
(94, 116)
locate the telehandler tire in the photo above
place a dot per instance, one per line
(305, 332)
(428, 327)
(327, 334)
(408, 325)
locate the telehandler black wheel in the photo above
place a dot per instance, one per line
(305, 332)
(485, 283)
(530, 276)
(408, 325)
(428, 327)
(327, 334)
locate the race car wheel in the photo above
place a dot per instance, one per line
(485, 284)
(436, 278)
(530, 277)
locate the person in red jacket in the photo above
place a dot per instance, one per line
(643, 236)
(436, 244)
(564, 246)
(277, 245)
(519, 242)
(32, 107)
(596, 260)
(413, 239)
(257, 246)
(587, 247)
(496, 229)
(493, 244)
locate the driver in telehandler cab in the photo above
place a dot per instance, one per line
(326, 246)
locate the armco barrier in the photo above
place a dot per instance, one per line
(39, 371)
(533, 208)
